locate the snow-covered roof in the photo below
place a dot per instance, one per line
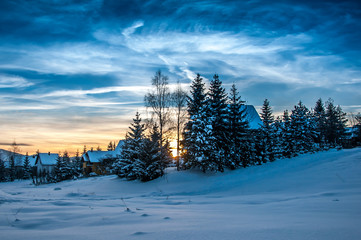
(119, 147)
(97, 156)
(252, 117)
(19, 159)
(47, 158)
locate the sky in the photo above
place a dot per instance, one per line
(74, 73)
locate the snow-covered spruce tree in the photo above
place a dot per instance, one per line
(195, 106)
(27, 167)
(218, 115)
(124, 167)
(12, 170)
(319, 115)
(332, 123)
(341, 125)
(265, 138)
(277, 144)
(76, 165)
(286, 139)
(2, 171)
(62, 169)
(358, 127)
(202, 147)
(302, 129)
(238, 129)
(151, 161)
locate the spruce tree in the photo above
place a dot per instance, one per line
(341, 125)
(202, 145)
(77, 165)
(195, 105)
(151, 162)
(287, 145)
(331, 123)
(237, 129)
(302, 128)
(124, 167)
(218, 113)
(27, 167)
(319, 114)
(12, 172)
(2, 171)
(265, 138)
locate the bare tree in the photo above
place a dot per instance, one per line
(179, 100)
(159, 99)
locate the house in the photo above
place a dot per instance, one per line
(45, 162)
(100, 162)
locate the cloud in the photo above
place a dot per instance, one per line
(130, 30)
(7, 81)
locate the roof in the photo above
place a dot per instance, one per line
(19, 159)
(47, 159)
(252, 117)
(119, 147)
(97, 156)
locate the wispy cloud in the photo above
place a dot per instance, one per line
(7, 81)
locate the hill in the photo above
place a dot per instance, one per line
(313, 196)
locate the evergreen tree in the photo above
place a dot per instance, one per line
(63, 170)
(27, 167)
(84, 149)
(238, 128)
(341, 125)
(77, 165)
(286, 142)
(151, 162)
(195, 106)
(201, 145)
(358, 126)
(124, 167)
(2, 171)
(302, 128)
(110, 146)
(218, 113)
(265, 138)
(12, 171)
(331, 123)
(319, 114)
(277, 144)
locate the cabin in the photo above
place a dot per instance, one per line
(45, 162)
(100, 162)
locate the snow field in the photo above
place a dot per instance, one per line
(313, 196)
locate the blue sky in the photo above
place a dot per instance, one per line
(75, 72)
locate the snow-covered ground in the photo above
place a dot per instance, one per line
(314, 196)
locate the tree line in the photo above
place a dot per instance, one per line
(213, 133)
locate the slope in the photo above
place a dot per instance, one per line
(314, 196)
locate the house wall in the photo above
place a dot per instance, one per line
(47, 168)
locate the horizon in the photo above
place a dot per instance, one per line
(75, 73)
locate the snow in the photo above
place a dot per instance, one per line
(313, 196)
(48, 158)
